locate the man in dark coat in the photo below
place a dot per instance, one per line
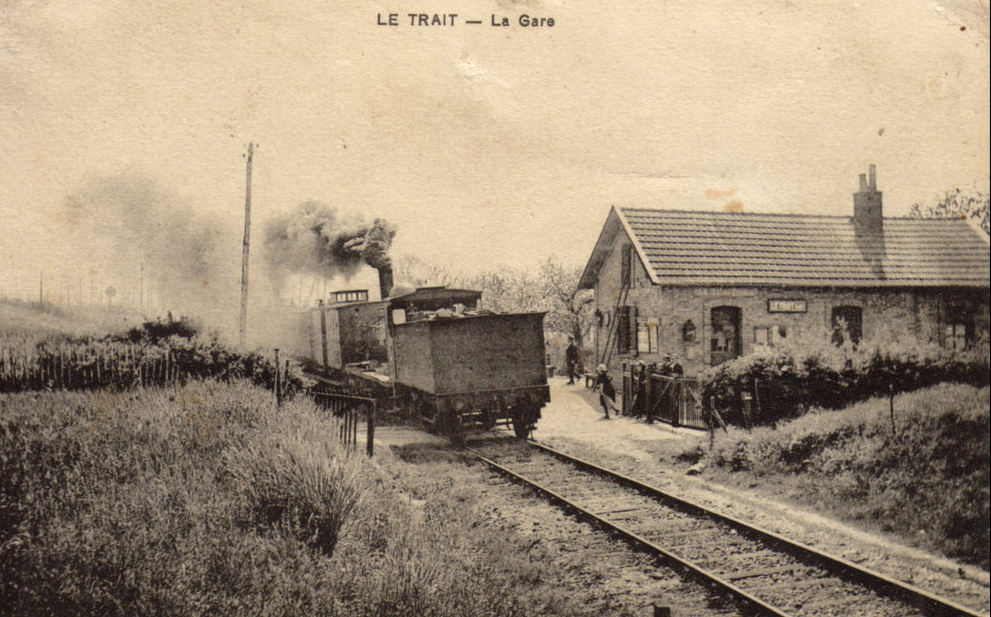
(665, 366)
(571, 358)
(640, 389)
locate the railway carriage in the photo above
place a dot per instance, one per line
(459, 368)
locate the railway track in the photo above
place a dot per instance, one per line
(763, 572)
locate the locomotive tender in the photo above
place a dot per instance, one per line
(459, 368)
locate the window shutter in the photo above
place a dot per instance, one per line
(623, 329)
(633, 329)
(627, 264)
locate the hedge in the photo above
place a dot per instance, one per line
(784, 383)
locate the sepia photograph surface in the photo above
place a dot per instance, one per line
(509, 308)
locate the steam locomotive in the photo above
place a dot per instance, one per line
(437, 355)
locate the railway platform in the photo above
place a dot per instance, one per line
(574, 413)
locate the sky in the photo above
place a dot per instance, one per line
(484, 146)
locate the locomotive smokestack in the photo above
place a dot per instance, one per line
(385, 279)
(316, 238)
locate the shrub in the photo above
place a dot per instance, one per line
(120, 363)
(786, 382)
(308, 488)
(161, 329)
(927, 479)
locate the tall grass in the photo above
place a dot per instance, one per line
(120, 503)
(210, 500)
(295, 485)
(925, 476)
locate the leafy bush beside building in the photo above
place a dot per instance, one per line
(784, 383)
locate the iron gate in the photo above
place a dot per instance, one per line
(675, 400)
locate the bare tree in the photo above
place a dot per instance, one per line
(956, 204)
(550, 289)
(569, 310)
(415, 272)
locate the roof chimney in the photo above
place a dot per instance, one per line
(867, 216)
(868, 220)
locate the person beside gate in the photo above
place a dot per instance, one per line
(640, 402)
(665, 368)
(607, 392)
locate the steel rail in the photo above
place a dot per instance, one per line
(922, 599)
(638, 541)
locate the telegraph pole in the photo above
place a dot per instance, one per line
(243, 321)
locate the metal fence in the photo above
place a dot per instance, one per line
(675, 400)
(349, 409)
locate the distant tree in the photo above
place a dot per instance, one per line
(508, 290)
(569, 310)
(957, 204)
(412, 271)
(551, 288)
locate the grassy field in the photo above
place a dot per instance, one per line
(925, 477)
(28, 324)
(210, 500)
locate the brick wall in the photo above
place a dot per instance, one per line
(911, 315)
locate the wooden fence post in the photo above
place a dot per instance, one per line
(278, 390)
(712, 422)
(370, 437)
(891, 406)
(747, 410)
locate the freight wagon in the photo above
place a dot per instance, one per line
(433, 351)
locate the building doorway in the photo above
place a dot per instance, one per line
(724, 343)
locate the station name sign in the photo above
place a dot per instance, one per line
(452, 20)
(787, 306)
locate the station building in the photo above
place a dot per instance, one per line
(711, 286)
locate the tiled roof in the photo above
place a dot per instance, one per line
(715, 248)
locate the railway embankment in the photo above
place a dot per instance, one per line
(208, 498)
(916, 466)
(797, 479)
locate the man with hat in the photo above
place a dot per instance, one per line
(666, 367)
(571, 359)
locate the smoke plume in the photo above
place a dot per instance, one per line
(128, 226)
(317, 239)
